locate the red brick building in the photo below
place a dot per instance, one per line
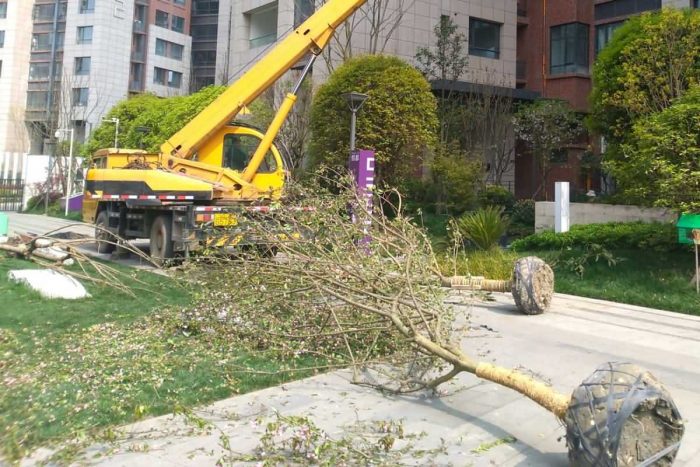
(557, 41)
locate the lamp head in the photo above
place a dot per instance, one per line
(355, 100)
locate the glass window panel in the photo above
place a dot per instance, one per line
(178, 24)
(82, 65)
(160, 47)
(39, 71)
(239, 149)
(84, 34)
(87, 6)
(484, 38)
(569, 48)
(161, 19)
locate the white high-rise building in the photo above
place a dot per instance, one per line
(93, 54)
(15, 42)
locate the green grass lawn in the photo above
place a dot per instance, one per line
(644, 278)
(72, 368)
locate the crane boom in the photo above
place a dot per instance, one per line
(312, 36)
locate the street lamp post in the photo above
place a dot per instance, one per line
(69, 184)
(355, 101)
(114, 120)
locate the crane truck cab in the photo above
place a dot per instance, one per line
(129, 194)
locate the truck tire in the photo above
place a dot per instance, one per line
(161, 239)
(102, 236)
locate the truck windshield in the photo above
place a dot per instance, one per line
(238, 150)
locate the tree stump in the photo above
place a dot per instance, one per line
(532, 285)
(622, 416)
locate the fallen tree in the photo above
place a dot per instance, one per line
(364, 291)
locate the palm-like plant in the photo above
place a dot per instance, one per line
(484, 227)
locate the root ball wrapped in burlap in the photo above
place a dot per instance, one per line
(622, 416)
(532, 285)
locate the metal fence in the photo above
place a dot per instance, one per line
(11, 192)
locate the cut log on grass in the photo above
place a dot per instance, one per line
(531, 284)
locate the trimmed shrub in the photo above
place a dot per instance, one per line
(655, 236)
(496, 195)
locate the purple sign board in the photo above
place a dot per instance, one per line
(361, 166)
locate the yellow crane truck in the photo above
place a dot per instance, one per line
(213, 173)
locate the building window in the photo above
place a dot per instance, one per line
(204, 32)
(484, 38)
(618, 8)
(82, 66)
(168, 78)
(2, 39)
(604, 33)
(87, 6)
(80, 97)
(41, 41)
(205, 7)
(174, 79)
(263, 26)
(169, 49)
(178, 24)
(569, 49)
(204, 58)
(3, 9)
(84, 35)
(38, 71)
(696, 3)
(161, 19)
(36, 99)
(179, 2)
(302, 10)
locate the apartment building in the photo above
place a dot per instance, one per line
(87, 55)
(557, 42)
(15, 41)
(229, 35)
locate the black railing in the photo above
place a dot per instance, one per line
(11, 194)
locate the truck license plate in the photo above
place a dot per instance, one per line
(225, 220)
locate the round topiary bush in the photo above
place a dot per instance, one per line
(398, 120)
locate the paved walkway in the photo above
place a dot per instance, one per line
(36, 224)
(564, 345)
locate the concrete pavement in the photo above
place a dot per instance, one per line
(563, 346)
(35, 224)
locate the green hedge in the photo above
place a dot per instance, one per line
(615, 235)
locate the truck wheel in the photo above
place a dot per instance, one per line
(102, 236)
(161, 239)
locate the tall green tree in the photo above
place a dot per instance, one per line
(547, 126)
(398, 120)
(446, 61)
(660, 163)
(652, 60)
(640, 80)
(146, 121)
